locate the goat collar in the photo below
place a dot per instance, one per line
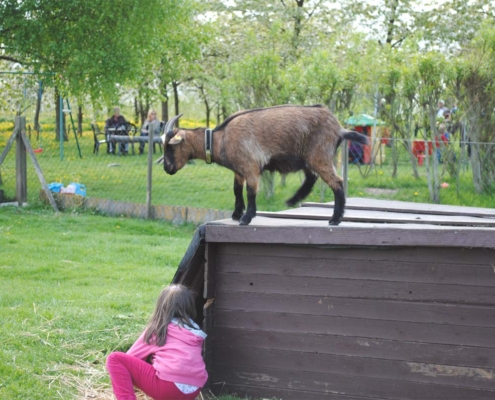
(208, 145)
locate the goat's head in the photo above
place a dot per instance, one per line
(176, 151)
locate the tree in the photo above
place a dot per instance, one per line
(91, 47)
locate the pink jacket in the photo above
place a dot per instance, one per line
(179, 360)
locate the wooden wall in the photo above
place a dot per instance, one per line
(305, 322)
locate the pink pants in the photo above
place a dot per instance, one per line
(127, 371)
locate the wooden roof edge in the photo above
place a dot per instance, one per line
(193, 254)
(394, 207)
(386, 236)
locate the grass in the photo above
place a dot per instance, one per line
(210, 186)
(73, 288)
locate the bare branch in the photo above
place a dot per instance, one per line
(12, 59)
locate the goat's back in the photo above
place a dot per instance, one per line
(287, 129)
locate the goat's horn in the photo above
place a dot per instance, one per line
(169, 127)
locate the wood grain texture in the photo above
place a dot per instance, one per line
(341, 267)
(453, 314)
(356, 327)
(357, 289)
(297, 232)
(323, 213)
(427, 255)
(359, 367)
(360, 203)
(357, 346)
(345, 385)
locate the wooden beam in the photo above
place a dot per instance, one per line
(37, 168)
(8, 146)
(20, 160)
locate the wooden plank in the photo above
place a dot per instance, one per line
(321, 213)
(210, 270)
(357, 308)
(357, 289)
(344, 385)
(270, 230)
(359, 203)
(37, 168)
(358, 346)
(209, 328)
(20, 162)
(359, 367)
(8, 146)
(261, 392)
(428, 255)
(349, 268)
(357, 327)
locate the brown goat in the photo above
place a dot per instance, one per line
(282, 138)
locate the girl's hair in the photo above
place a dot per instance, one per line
(175, 301)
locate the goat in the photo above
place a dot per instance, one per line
(284, 138)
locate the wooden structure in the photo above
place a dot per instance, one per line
(398, 302)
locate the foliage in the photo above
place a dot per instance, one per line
(89, 46)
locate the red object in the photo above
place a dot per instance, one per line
(421, 158)
(38, 151)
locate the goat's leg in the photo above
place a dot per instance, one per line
(239, 199)
(305, 188)
(335, 182)
(252, 189)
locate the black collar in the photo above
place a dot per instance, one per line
(208, 145)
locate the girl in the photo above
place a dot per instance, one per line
(172, 342)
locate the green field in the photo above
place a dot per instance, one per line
(199, 185)
(73, 288)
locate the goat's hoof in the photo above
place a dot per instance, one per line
(245, 220)
(291, 203)
(333, 222)
(236, 216)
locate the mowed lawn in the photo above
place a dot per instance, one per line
(73, 288)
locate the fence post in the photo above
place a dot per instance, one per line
(20, 160)
(345, 164)
(151, 133)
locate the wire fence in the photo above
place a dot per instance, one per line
(447, 172)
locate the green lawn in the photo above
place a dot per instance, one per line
(73, 288)
(210, 186)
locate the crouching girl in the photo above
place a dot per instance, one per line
(172, 344)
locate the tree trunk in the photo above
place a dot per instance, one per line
(391, 20)
(79, 120)
(136, 110)
(37, 113)
(165, 103)
(175, 86)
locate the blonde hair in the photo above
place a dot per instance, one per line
(175, 301)
(151, 112)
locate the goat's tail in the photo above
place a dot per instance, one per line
(353, 136)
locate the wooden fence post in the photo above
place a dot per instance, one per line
(20, 159)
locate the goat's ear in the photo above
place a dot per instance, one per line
(179, 137)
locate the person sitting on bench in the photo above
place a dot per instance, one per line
(115, 122)
(151, 123)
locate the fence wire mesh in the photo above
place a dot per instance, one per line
(451, 172)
